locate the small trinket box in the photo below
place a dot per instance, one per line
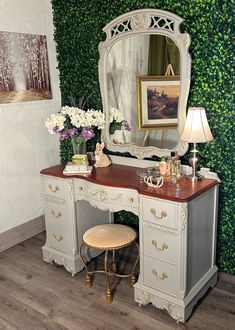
(80, 159)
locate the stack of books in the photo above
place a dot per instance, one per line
(79, 165)
(70, 169)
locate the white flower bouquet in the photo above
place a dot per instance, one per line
(75, 123)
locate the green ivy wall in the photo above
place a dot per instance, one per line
(78, 31)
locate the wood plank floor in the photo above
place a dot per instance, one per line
(36, 295)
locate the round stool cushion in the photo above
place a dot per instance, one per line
(109, 236)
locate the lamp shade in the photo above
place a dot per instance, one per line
(196, 127)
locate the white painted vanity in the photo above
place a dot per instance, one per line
(177, 229)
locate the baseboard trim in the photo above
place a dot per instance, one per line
(22, 232)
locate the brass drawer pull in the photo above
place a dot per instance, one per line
(159, 275)
(164, 245)
(131, 199)
(53, 188)
(154, 213)
(58, 237)
(80, 188)
(56, 214)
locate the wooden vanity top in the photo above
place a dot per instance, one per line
(123, 176)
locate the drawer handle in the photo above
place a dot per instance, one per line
(159, 275)
(80, 188)
(56, 214)
(53, 188)
(58, 237)
(164, 245)
(161, 216)
(131, 199)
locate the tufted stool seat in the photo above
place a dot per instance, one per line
(108, 237)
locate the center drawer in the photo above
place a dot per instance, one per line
(106, 195)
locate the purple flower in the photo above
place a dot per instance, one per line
(73, 131)
(64, 135)
(56, 129)
(126, 125)
(87, 133)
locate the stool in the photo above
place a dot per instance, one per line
(109, 237)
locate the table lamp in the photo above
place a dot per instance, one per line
(196, 130)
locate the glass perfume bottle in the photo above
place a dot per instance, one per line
(162, 166)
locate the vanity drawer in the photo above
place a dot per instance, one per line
(56, 216)
(117, 197)
(160, 212)
(56, 213)
(160, 275)
(160, 244)
(57, 239)
(54, 187)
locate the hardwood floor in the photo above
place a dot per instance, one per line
(36, 295)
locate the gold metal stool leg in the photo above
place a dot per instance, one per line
(133, 277)
(88, 281)
(109, 297)
(114, 265)
(133, 280)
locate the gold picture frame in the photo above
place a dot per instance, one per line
(158, 99)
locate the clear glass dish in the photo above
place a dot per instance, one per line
(148, 171)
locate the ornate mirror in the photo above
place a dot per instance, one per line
(144, 73)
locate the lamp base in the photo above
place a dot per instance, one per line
(194, 161)
(194, 177)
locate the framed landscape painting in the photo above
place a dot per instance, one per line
(158, 98)
(24, 68)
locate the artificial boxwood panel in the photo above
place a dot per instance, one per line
(78, 31)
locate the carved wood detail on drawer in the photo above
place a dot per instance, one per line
(109, 195)
(160, 212)
(104, 195)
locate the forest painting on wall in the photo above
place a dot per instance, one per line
(24, 68)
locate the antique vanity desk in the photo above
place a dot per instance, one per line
(177, 223)
(177, 229)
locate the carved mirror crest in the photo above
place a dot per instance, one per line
(144, 73)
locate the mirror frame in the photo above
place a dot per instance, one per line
(142, 22)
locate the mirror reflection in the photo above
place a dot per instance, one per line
(144, 72)
(129, 60)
